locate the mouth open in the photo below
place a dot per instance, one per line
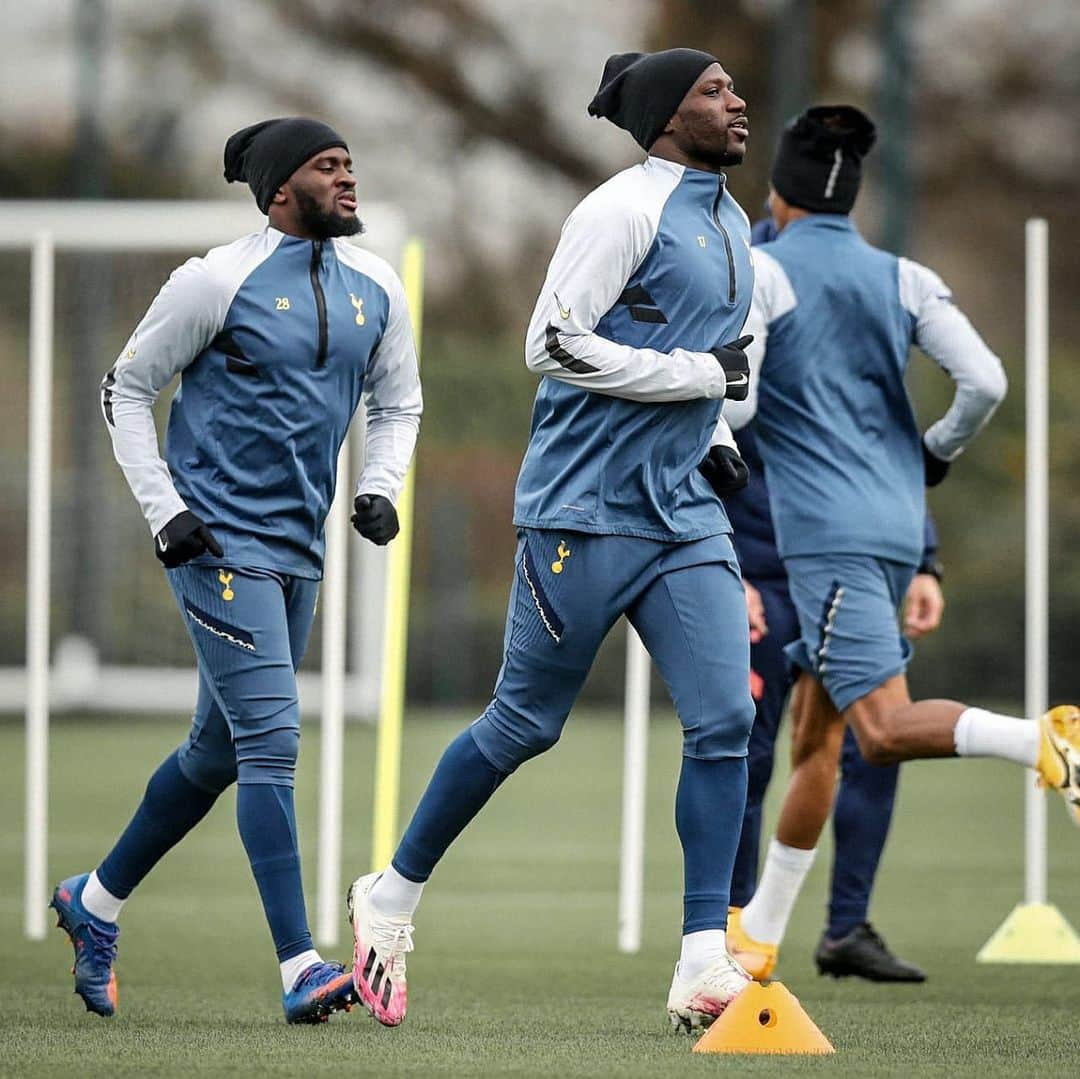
(741, 126)
(347, 202)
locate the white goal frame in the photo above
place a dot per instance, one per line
(186, 227)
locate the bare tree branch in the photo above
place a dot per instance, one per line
(520, 119)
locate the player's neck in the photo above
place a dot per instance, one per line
(665, 149)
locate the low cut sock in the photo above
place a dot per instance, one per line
(99, 901)
(700, 951)
(291, 969)
(394, 894)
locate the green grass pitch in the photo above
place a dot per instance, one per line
(516, 971)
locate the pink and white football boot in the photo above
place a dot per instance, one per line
(694, 1004)
(381, 944)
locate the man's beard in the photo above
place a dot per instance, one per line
(724, 158)
(323, 224)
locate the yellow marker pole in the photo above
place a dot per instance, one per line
(396, 618)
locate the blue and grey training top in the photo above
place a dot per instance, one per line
(834, 319)
(274, 339)
(652, 269)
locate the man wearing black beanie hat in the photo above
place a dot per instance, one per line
(636, 339)
(274, 338)
(834, 320)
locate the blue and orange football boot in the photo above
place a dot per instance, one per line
(95, 946)
(322, 989)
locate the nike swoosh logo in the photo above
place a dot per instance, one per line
(739, 380)
(564, 312)
(163, 544)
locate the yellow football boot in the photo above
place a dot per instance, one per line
(755, 957)
(1059, 755)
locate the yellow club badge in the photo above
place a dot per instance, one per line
(564, 553)
(226, 579)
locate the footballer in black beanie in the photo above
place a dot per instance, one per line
(818, 165)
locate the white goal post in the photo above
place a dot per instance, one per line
(187, 228)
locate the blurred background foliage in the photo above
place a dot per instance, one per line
(470, 114)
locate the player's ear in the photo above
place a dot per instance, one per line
(281, 196)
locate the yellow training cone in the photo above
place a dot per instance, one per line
(764, 1018)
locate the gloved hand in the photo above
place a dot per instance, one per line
(725, 470)
(375, 518)
(732, 358)
(185, 537)
(934, 467)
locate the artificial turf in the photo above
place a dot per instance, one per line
(516, 970)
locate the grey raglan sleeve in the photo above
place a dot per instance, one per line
(944, 333)
(181, 322)
(393, 402)
(601, 245)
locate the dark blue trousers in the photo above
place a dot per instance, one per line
(686, 602)
(864, 802)
(249, 629)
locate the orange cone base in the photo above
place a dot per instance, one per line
(764, 1018)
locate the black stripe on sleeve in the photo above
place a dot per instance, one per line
(562, 357)
(107, 384)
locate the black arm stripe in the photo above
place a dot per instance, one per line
(107, 396)
(562, 357)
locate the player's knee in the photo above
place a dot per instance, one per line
(508, 738)
(879, 739)
(722, 731)
(210, 767)
(268, 756)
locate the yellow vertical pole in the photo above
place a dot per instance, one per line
(396, 618)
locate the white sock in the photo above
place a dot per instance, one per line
(291, 969)
(979, 733)
(99, 901)
(395, 895)
(700, 950)
(766, 916)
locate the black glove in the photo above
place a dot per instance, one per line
(732, 358)
(375, 518)
(725, 470)
(185, 537)
(934, 467)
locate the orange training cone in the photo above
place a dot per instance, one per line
(764, 1018)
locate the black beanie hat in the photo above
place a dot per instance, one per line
(818, 164)
(641, 91)
(268, 153)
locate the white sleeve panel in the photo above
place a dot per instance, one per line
(773, 298)
(392, 396)
(183, 319)
(601, 245)
(944, 333)
(722, 435)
